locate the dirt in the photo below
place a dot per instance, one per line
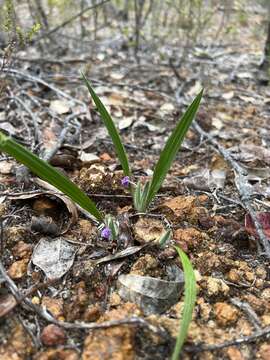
(207, 220)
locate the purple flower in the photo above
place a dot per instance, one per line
(125, 181)
(106, 233)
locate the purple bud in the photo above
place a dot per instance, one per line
(125, 181)
(106, 233)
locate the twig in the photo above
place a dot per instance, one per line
(32, 115)
(93, 6)
(43, 313)
(243, 192)
(265, 332)
(52, 61)
(35, 339)
(249, 311)
(50, 154)
(44, 83)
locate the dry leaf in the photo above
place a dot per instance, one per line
(125, 123)
(88, 158)
(153, 295)
(120, 254)
(8, 127)
(71, 207)
(166, 109)
(228, 96)
(251, 152)
(6, 167)
(54, 257)
(60, 106)
(116, 75)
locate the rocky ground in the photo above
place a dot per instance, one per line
(76, 291)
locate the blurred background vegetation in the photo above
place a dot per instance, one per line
(170, 29)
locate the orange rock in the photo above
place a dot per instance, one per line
(115, 299)
(234, 276)
(264, 352)
(234, 354)
(225, 314)
(243, 327)
(18, 345)
(146, 265)
(262, 274)
(22, 250)
(59, 354)
(189, 238)
(14, 234)
(18, 269)
(53, 335)
(266, 294)
(214, 286)
(109, 344)
(78, 302)
(250, 276)
(185, 208)
(115, 343)
(266, 320)
(105, 157)
(92, 313)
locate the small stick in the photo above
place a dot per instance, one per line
(50, 154)
(265, 332)
(32, 115)
(44, 83)
(43, 313)
(68, 21)
(249, 311)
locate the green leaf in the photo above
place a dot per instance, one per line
(189, 302)
(137, 196)
(108, 122)
(171, 148)
(165, 238)
(49, 174)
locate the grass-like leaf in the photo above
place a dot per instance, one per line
(189, 302)
(49, 174)
(108, 122)
(164, 238)
(139, 195)
(171, 148)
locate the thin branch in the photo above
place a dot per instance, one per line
(32, 115)
(62, 137)
(252, 316)
(265, 332)
(35, 79)
(71, 19)
(43, 313)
